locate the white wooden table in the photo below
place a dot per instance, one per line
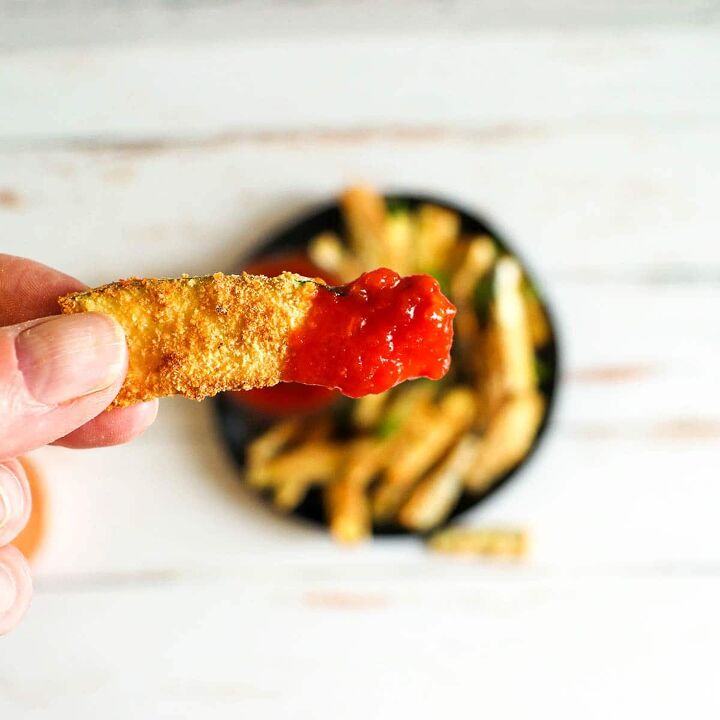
(169, 140)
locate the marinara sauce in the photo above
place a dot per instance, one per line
(373, 333)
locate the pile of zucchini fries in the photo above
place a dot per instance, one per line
(405, 457)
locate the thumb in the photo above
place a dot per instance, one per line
(56, 373)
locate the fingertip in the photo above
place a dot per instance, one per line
(15, 500)
(114, 427)
(15, 588)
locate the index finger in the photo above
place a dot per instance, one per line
(30, 290)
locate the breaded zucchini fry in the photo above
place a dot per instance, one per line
(507, 438)
(348, 511)
(510, 335)
(197, 336)
(365, 215)
(425, 440)
(436, 494)
(498, 543)
(405, 405)
(315, 461)
(475, 266)
(295, 473)
(437, 232)
(327, 252)
(538, 320)
(399, 236)
(367, 410)
(346, 502)
(261, 450)
(504, 352)
(292, 491)
(478, 259)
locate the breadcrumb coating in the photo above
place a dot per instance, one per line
(198, 336)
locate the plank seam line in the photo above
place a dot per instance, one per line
(496, 133)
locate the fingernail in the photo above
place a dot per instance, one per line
(69, 356)
(15, 588)
(12, 501)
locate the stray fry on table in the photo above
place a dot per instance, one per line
(495, 543)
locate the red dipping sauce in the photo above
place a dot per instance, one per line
(373, 333)
(287, 398)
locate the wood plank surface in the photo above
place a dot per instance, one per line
(52, 23)
(164, 589)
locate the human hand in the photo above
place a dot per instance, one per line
(57, 375)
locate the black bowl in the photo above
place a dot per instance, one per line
(239, 425)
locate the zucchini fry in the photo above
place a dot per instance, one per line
(506, 440)
(365, 216)
(368, 410)
(399, 236)
(507, 358)
(512, 336)
(476, 264)
(436, 495)
(316, 461)
(406, 403)
(291, 474)
(269, 444)
(292, 491)
(437, 232)
(197, 336)
(346, 501)
(421, 445)
(497, 543)
(538, 321)
(301, 471)
(327, 252)
(480, 254)
(348, 510)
